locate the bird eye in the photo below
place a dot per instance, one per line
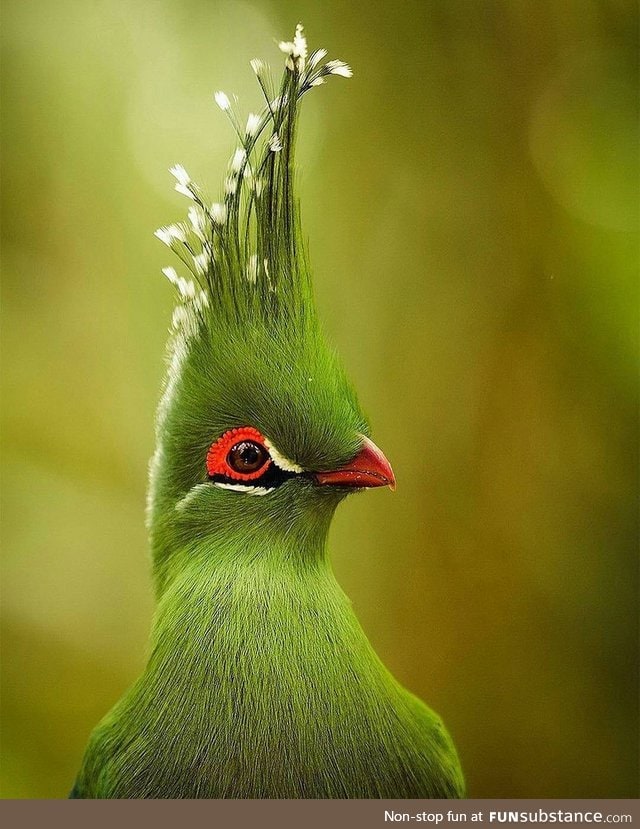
(247, 457)
(241, 454)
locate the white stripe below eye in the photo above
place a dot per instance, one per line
(280, 461)
(250, 490)
(193, 493)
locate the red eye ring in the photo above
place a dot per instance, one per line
(217, 463)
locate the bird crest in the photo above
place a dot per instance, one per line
(244, 252)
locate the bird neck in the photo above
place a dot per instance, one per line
(250, 610)
(252, 592)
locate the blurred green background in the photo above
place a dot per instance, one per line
(470, 199)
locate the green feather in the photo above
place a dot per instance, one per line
(260, 682)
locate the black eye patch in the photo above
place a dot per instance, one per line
(271, 478)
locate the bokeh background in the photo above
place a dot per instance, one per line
(470, 199)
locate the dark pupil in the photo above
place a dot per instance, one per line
(247, 456)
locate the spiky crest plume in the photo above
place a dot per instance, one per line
(245, 251)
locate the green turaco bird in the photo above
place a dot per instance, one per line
(260, 682)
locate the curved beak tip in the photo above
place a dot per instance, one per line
(369, 468)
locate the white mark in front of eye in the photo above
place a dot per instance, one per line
(280, 460)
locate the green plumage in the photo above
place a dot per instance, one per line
(260, 682)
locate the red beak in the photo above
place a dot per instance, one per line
(368, 468)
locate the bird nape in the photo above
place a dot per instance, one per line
(260, 682)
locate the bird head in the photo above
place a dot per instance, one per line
(259, 432)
